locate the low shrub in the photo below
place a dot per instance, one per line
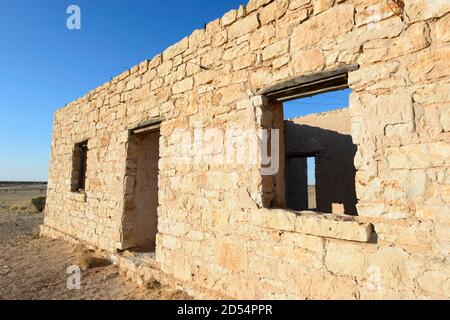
(39, 203)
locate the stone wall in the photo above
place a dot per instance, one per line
(214, 229)
(327, 137)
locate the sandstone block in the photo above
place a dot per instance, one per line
(333, 227)
(445, 118)
(273, 11)
(415, 234)
(330, 24)
(296, 4)
(324, 285)
(243, 26)
(275, 50)
(419, 156)
(432, 93)
(372, 73)
(430, 65)
(244, 61)
(222, 180)
(442, 29)
(322, 5)
(165, 68)
(182, 268)
(327, 226)
(418, 10)
(435, 283)
(232, 256)
(437, 213)
(183, 86)
(307, 61)
(262, 37)
(228, 18)
(396, 268)
(312, 243)
(255, 4)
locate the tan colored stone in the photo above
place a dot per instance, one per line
(433, 93)
(445, 118)
(165, 68)
(323, 285)
(232, 256)
(176, 49)
(417, 10)
(419, 156)
(296, 4)
(330, 24)
(327, 226)
(228, 18)
(396, 268)
(275, 50)
(213, 57)
(372, 74)
(261, 79)
(415, 38)
(430, 65)
(222, 181)
(308, 61)
(334, 228)
(304, 241)
(433, 212)
(219, 38)
(183, 86)
(255, 4)
(442, 29)
(322, 5)
(273, 11)
(182, 269)
(244, 61)
(243, 26)
(436, 283)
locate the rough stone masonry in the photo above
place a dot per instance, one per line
(224, 226)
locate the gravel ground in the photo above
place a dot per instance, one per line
(36, 268)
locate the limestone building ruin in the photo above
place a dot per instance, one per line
(135, 163)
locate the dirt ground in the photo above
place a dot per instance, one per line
(312, 197)
(36, 268)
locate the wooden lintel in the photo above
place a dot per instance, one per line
(150, 125)
(309, 85)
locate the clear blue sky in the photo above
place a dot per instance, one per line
(45, 66)
(316, 104)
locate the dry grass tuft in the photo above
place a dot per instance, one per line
(153, 284)
(18, 207)
(36, 233)
(175, 295)
(88, 259)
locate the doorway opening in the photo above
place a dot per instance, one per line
(141, 194)
(300, 182)
(311, 170)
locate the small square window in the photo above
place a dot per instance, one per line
(317, 151)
